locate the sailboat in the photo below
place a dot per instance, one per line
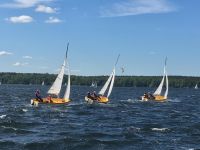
(157, 94)
(42, 83)
(54, 91)
(196, 86)
(94, 84)
(101, 98)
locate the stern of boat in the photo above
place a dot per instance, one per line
(159, 98)
(103, 99)
(144, 98)
(88, 100)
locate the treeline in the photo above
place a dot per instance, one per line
(123, 81)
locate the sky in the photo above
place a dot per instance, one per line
(34, 36)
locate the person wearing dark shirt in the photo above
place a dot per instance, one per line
(37, 95)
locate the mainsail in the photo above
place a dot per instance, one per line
(110, 82)
(94, 84)
(56, 87)
(67, 92)
(103, 90)
(167, 86)
(196, 86)
(159, 89)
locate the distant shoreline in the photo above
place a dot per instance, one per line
(120, 81)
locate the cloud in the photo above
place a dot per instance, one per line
(17, 64)
(53, 20)
(24, 3)
(137, 7)
(45, 9)
(27, 57)
(5, 53)
(20, 19)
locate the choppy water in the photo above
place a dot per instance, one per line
(124, 123)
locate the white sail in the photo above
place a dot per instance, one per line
(94, 84)
(109, 81)
(103, 90)
(196, 86)
(43, 83)
(67, 92)
(167, 86)
(56, 87)
(112, 83)
(159, 89)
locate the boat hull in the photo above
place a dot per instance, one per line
(159, 98)
(156, 98)
(99, 99)
(52, 101)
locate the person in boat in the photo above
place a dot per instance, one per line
(49, 99)
(146, 95)
(150, 96)
(89, 95)
(37, 95)
(95, 96)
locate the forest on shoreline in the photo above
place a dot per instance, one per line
(120, 81)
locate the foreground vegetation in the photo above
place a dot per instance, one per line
(123, 81)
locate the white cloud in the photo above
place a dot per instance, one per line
(27, 57)
(45, 9)
(20, 19)
(24, 3)
(137, 7)
(5, 53)
(53, 20)
(20, 64)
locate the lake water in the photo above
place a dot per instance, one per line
(124, 123)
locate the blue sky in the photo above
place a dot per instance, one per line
(34, 36)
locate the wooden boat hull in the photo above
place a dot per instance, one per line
(52, 101)
(156, 98)
(100, 99)
(159, 98)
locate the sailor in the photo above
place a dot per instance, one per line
(49, 99)
(145, 95)
(37, 95)
(150, 96)
(89, 95)
(95, 96)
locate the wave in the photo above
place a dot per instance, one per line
(9, 128)
(3, 116)
(159, 129)
(24, 110)
(130, 100)
(176, 100)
